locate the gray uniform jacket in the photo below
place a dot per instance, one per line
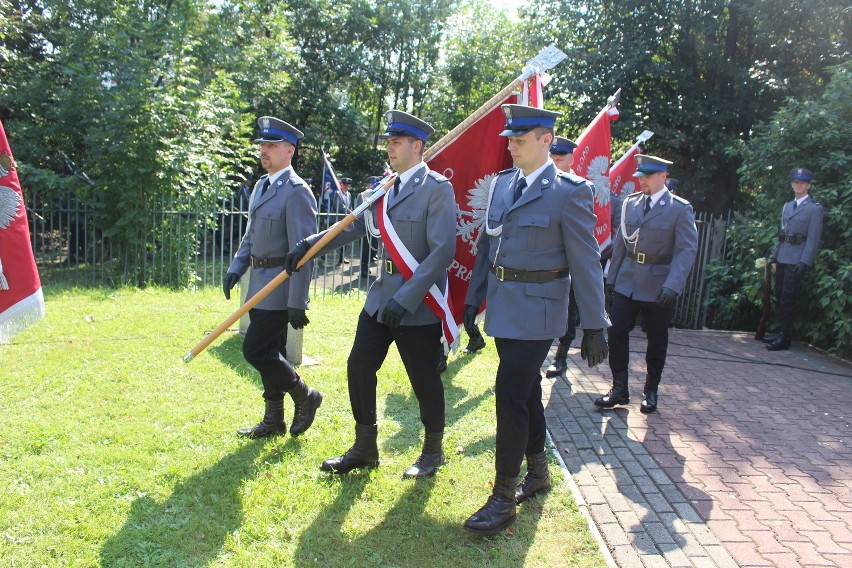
(803, 221)
(551, 227)
(667, 231)
(286, 214)
(424, 217)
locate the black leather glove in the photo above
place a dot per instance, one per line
(297, 318)
(294, 256)
(392, 315)
(594, 347)
(469, 314)
(800, 269)
(609, 290)
(666, 298)
(229, 282)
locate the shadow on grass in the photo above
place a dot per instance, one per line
(406, 536)
(190, 527)
(230, 352)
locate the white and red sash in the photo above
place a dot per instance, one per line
(438, 301)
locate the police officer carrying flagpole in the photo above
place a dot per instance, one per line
(282, 211)
(651, 259)
(798, 241)
(420, 218)
(539, 238)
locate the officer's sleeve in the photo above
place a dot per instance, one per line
(584, 260)
(814, 236)
(300, 213)
(240, 262)
(685, 249)
(478, 285)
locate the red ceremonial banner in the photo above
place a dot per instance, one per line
(621, 180)
(21, 299)
(470, 163)
(591, 161)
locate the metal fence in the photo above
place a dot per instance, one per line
(189, 243)
(183, 243)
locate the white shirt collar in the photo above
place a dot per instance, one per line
(657, 196)
(534, 175)
(274, 177)
(409, 173)
(799, 201)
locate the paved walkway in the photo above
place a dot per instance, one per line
(748, 461)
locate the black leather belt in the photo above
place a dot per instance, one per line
(642, 258)
(792, 239)
(390, 267)
(535, 276)
(257, 262)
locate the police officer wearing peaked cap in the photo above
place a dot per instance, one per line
(798, 242)
(671, 185)
(538, 239)
(651, 259)
(421, 208)
(282, 211)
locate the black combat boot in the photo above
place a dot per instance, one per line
(649, 403)
(498, 512)
(430, 459)
(307, 401)
(364, 453)
(537, 478)
(618, 394)
(560, 362)
(272, 423)
(474, 344)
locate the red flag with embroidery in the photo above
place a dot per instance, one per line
(621, 180)
(21, 299)
(470, 163)
(591, 161)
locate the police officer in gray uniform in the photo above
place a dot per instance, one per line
(538, 240)
(422, 211)
(282, 211)
(651, 259)
(798, 241)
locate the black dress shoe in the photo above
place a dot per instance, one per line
(476, 343)
(558, 367)
(442, 364)
(771, 338)
(649, 403)
(781, 344)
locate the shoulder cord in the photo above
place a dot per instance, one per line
(632, 239)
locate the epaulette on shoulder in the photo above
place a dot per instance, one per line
(681, 199)
(815, 202)
(437, 177)
(572, 177)
(507, 171)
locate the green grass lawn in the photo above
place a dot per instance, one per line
(114, 452)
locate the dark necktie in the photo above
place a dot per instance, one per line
(396, 186)
(795, 204)
(647, 204)
(519, 189)
(266, 185)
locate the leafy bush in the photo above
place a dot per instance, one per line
(815, 134)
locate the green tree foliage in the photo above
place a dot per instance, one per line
(816, 134)
(699, 73)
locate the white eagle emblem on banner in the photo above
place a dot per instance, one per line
(9, 203)
(468, 223)
(597, 174)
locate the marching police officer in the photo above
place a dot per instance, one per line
(538, 239)
(282, 211)
(651, 259)
(420, 216)
(798, 241)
